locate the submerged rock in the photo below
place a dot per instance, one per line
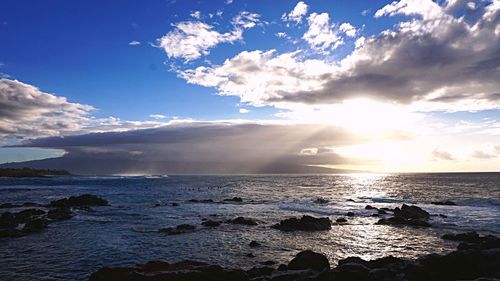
(341, 220)
(180, 229)
(81, 201)
(370, 207)
(321, 200)
(243, 220)
(201, 201)
(234, 199)
(254, 244)
(60, 214)
(211, 223)
(306, 223)
(447, 202)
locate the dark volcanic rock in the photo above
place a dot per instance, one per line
(84, 200)
(408, 215)
(180, 229)
(182, 271)
(309, 260)
(211, 223)
(242, 220)
(35, 225)
(321, 200)
(403, 221)
(370, 207)
(350, 214)
(254, 244)
(234, 199)
(411, 212)
(306, 223)
(60, 214)
(201, 201)
(8, 206)
(341, 220)
(471, 237)
(447, 202)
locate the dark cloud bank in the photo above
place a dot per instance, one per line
(198, 148)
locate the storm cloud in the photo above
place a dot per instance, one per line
(201, 147)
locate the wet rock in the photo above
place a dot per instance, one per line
(180, 229)
(447, 203)
(408, 215)
(259, 271)
(8, 206)
(211, 223)
(470, 237)
(8, 220)
(411, 212)
(321, 200)
(268, 263)
(201, 201)
(254, 244)
(309, 260)
(35, 225)
(350, 214)
(341, 220)
(370, 207)
(81, 201)
(382, 212)
(182, 271)
(353, 271)
(175, 204)
(243, 221)
(403, 221)
(60, 214)
(234, 199)
(483, 243)
(31, 204)
(306, 223)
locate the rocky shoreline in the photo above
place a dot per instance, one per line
(476, 258)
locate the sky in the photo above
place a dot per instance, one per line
(250, 86)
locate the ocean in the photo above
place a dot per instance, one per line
(126, 232)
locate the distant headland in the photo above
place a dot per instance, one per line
(28, 172)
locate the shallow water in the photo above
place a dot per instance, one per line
(126, 232)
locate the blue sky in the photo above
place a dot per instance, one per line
(407, 68)
(80, 50)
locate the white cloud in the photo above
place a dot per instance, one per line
(427, 9)
(298, 12)
(348, 29)
(157, 116)
(134, 43)
(258, 77)
(192, 39)
(244, 110)
(321, 34)
(444, 63)
(246, 19)
(196, 14)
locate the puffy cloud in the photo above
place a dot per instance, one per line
(244, 110)
(258, 77)
(348, 29)
(298, 12)
(192, 39)
(246, 19)
(321, 34)
(200, 147)
(196, 14)
(436, 60)
(27, 111)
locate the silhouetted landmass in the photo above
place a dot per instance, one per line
(28, 172)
